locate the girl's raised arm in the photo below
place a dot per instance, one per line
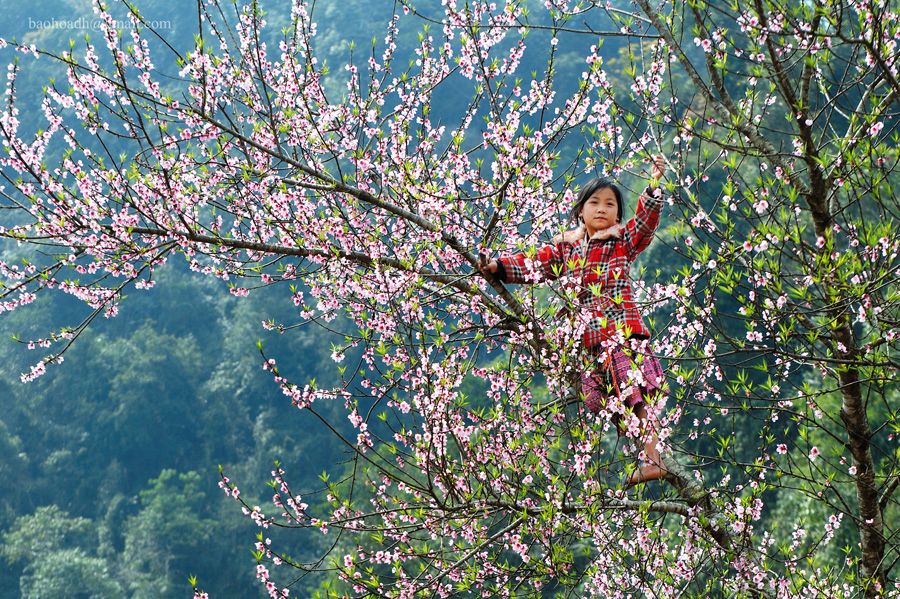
(640, 228)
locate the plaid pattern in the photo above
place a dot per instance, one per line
(631, 369)
(601, 269)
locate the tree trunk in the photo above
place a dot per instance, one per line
(853, 414)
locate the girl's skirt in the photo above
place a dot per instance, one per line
(630, 371)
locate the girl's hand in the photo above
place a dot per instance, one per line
(488, 268)
(658, 169)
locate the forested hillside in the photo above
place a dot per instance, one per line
(113, 457)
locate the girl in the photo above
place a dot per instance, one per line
(597, 255)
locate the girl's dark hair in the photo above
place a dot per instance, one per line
(588, 190)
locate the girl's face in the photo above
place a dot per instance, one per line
(600, 210)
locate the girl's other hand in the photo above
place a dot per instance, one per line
(488, 268)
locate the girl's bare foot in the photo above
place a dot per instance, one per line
(653, 468)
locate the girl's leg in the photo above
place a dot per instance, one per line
(654, 468)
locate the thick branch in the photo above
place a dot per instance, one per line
(302, 252)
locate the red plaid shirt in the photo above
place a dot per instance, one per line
(600, 270)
